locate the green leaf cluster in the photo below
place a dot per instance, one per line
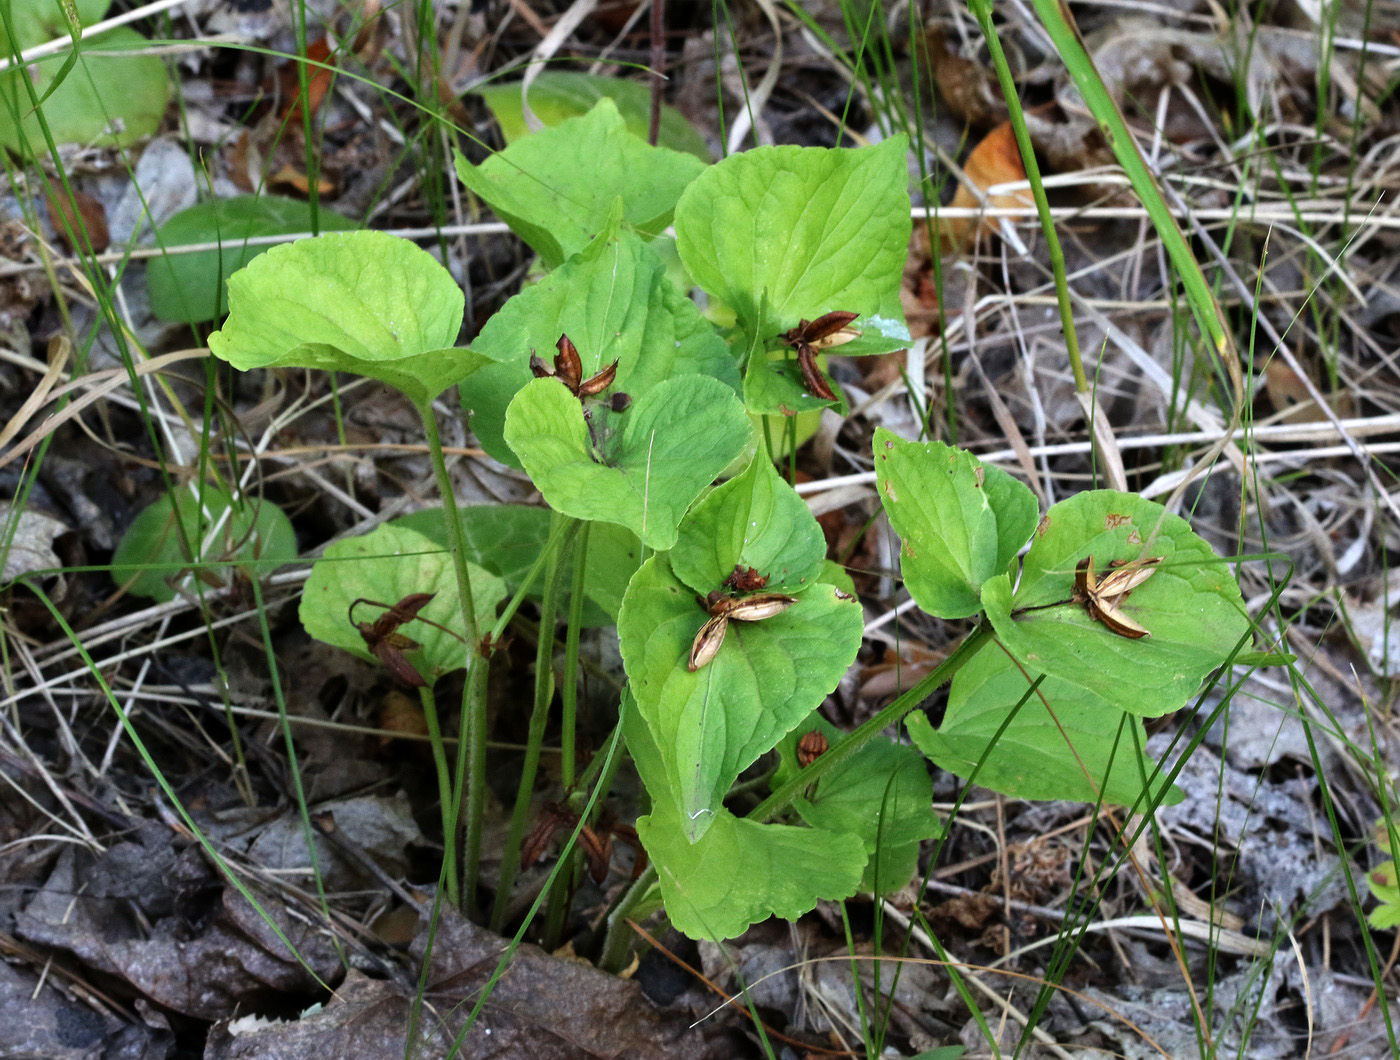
(1054, 710)
(1048, 702)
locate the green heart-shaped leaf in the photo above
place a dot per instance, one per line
(753, 520)
(660, 453)
(960, 521)
(113, 94)
(556, 188)
(1190, 605)
(739, 872)
(362, 302)
(386, 565)
(557, 95)
(1064, 742)
(767, 676)
(614, 302)
(815, 229)
(507, 539)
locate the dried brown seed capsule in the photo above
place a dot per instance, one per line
(568, 366)
(811, 747)
(596, 384)
(745, 579)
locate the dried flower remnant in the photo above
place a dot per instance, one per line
(722, 609)
(745, 579)
(1103, 598)
(384, 640)
(596, 844)
(826, 332)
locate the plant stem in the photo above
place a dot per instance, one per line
(980, 636)
(471, 748)
(569, 693)
(444, 779)
(539, 716)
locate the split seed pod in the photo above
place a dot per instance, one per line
(723, 609)
(568, 369)
(1102, 598)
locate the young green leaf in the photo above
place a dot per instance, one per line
(641, 468)
(614, 302)
(362, 302)
(753, 520)
(556, 188)
(189, 288)
(767, 676)
(1074, 748)
(738, 872)
(1190, 605)
(219, 530)
(816, 229)
(960, 521)
(390, 564)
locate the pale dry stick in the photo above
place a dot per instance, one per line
(1388, 423)
(80, 831)
(70, 681)
(121, 628)
(1281, 348)
(58, 44)
(127, 705)
(59, 350)
(563, 29)
(1224, 939)
(749, 116)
